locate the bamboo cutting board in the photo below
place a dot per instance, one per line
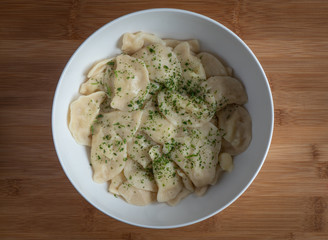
(288, 199)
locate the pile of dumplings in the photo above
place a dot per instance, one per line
(163, 119)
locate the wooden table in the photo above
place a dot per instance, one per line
(288, 199)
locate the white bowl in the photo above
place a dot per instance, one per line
(215, 38)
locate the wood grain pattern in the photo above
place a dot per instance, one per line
(288, 199)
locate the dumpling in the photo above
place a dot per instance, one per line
(227, 90)
(83, 112)
(116, 182)
(192, 68)
(131, 83)
(162, 64)
(100, 78)
(236, 124)
(212, 65)
(225, 161)
(154, 89)
(138, 149)
(108, 155)
(183, 110)
(139, 177)
(193, 44)
(136, 196)
(186, 181)
(183, 194)
(218, 174)
(200, 191)
(100, 67)
(125, 124)
(196, 153)
(156, 126)
(168, 181)
(113, 131)
(133, 42)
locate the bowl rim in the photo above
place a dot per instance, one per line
(171, 10)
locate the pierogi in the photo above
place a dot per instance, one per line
(163, 119)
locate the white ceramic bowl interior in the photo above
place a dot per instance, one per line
(214, 38)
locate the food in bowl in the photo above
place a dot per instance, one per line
(163, 119)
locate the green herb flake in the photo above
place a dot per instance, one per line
(109, 92)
